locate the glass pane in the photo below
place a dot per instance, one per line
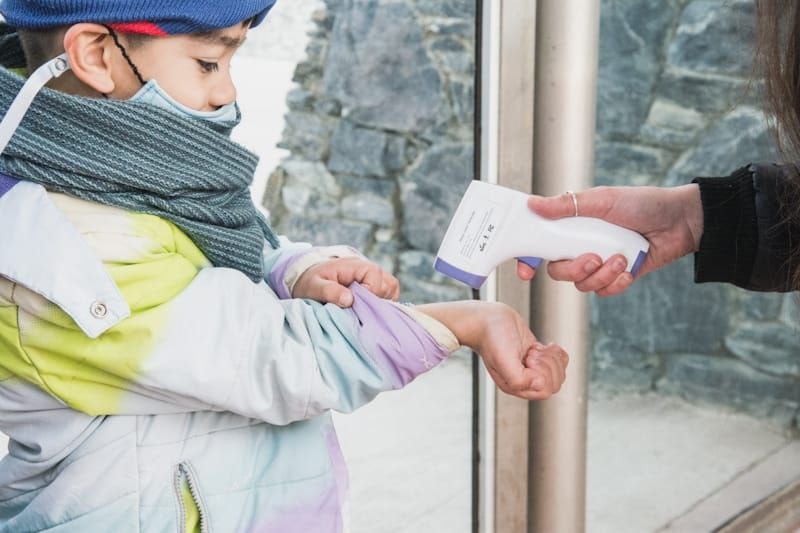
(691, 384)
(378, 147)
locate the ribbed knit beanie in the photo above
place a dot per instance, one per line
(149, 17)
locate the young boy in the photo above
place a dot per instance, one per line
(157, 369)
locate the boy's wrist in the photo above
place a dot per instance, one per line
(463, 318)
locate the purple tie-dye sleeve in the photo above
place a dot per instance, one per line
(400, 346)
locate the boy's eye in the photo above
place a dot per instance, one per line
(207, 66)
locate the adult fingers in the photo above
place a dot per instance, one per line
(605, 276)
(619, 285)
(576, 270)
(525, 272)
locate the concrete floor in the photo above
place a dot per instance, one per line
(655, 464)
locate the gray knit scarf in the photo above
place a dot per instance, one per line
(140, 158)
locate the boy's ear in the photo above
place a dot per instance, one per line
(89, 49)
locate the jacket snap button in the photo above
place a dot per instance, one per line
(99, 310)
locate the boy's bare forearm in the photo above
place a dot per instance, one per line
(463, 318)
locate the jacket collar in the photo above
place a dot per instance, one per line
(41, 250)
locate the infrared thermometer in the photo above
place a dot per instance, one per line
(494, 224)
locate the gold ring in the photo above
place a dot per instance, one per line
(574, 201)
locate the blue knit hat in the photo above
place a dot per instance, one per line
(150, 17)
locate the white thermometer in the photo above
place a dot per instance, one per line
(494, 224)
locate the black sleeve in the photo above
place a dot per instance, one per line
(747, 237)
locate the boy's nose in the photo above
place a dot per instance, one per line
(223, 93)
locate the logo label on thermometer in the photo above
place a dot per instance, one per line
(479, 230)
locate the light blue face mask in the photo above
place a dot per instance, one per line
(222, 120)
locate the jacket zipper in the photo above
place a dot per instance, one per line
(183, 471)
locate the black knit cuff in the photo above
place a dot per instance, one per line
(730, 230)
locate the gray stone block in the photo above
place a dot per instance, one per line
(419, 291)
(740, 137)
(312, 175)
(299, 99)
(618, 163)
(326, 231)
(299, 199)
(454, 55)
(378, 67)
(420, 265)
(767, 346)
(622, 367)
(358, 151)
(761, 306)
(307, 135)
(356, 184)
(631, 46)
(705, 93)
(396, 153)
(790, 311)
(447, 8)
(328, 106)
(723, 381)
(462, 28)
(462, 97)
(669, 124)
(666, 312)
(431, 193)
(369, 208)
(715, 36)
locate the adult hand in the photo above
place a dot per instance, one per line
(671, 219)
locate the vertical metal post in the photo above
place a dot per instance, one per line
(508, 34)
(515, 170)
(566, 82)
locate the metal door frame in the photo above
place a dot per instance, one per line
(535, 116)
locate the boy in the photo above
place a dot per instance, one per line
(150, 379)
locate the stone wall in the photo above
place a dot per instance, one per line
(381, 136)
(380, 131)
(675, 101)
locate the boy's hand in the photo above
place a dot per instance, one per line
(327, 282)
(516, 361)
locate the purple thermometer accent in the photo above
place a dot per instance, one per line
(473, 280)
(533, 262)
(6, 183)
(637, 266)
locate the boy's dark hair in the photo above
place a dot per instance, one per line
(40, 46)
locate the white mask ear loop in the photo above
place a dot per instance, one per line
(13, 117)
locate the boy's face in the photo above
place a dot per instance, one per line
(192, 69)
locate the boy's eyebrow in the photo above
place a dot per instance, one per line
(220, 39)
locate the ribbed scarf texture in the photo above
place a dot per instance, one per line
(139, 158)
